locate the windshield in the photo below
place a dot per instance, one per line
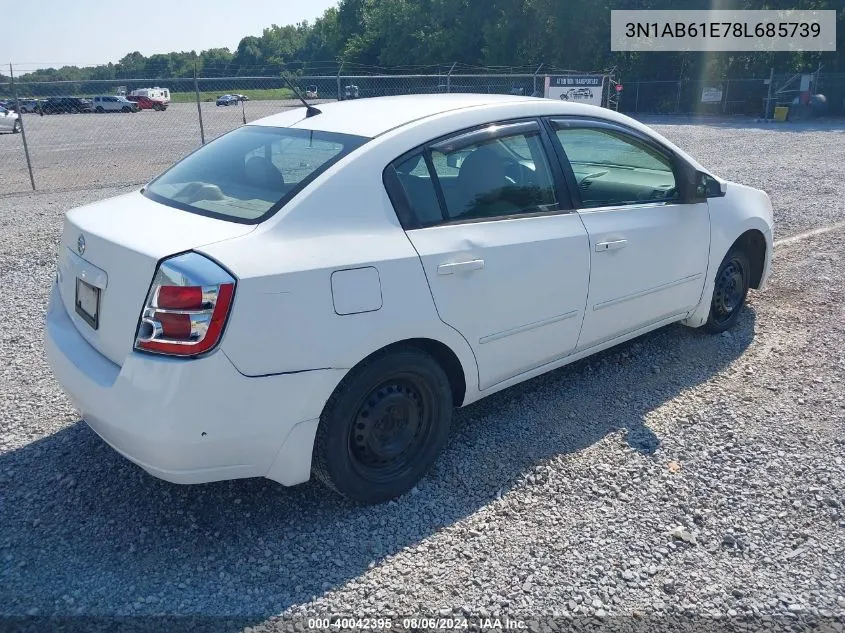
(250, 173)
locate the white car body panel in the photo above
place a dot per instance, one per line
(332, 277)
(518, 290)
(127, 259)
(742, 209)
(648, 263)
(153, 412)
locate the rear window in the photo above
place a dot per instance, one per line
(250, 173)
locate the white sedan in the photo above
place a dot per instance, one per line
(314, 294)
(9, 121)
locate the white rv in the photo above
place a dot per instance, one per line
(161, 94)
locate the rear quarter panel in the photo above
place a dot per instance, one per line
(284, 318)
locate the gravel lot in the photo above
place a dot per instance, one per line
(679, 474)
(84, 150)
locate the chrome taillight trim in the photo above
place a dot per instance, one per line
(188, 269)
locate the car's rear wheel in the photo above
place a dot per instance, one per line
(16, 127)
(730, 290)
(384, 426)
(99, 110)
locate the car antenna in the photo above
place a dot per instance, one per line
(309, 109)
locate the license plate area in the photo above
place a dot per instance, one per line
(88, 303)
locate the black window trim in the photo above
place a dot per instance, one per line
(502, 128)
(580, 122)
(484, 134)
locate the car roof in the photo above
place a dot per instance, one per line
(376, 115)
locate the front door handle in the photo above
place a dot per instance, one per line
(610, 246)
(451, 268)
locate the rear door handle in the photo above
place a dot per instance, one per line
(451, 268)
(610, 246)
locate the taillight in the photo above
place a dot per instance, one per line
(186, 308)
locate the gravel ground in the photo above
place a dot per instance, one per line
(87, 150)
(677, 475)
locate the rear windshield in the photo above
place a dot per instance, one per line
(251, 172)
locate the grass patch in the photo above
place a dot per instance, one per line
(261, 94)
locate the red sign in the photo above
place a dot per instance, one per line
(618, 87)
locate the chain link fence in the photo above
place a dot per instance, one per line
(82, 134)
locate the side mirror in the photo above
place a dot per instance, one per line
(707, 186)
(696, 186)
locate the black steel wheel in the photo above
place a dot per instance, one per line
(730, 289)
(16, 127)
(384, 426)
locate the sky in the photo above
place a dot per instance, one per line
(54, 33)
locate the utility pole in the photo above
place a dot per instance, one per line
(199, 107)
(20, 119)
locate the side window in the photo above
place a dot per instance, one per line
(614, 169)
(415, 179)
(503, 176)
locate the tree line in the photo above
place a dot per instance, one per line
(424, 35)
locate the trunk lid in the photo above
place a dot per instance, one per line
(114, 246)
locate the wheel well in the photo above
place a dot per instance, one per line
(445, 357)
(753, 244)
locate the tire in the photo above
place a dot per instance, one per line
(384, 426)
(99, 110)
(730, 290)
(126, 109)
(16, 127)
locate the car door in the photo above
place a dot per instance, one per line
(506, 259)
(648, 248)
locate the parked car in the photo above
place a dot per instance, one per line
(281, 326)
(27, 106)
(66, 105)
(114, 103)
(146, 103)
(350, 92)
(311, 92)
(9, 121)
(227, 100)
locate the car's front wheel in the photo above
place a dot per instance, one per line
(384, 426)
(730, 289)
(16, 127)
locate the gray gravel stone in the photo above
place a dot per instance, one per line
(555, 496)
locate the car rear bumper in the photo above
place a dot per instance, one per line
(190, 421)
